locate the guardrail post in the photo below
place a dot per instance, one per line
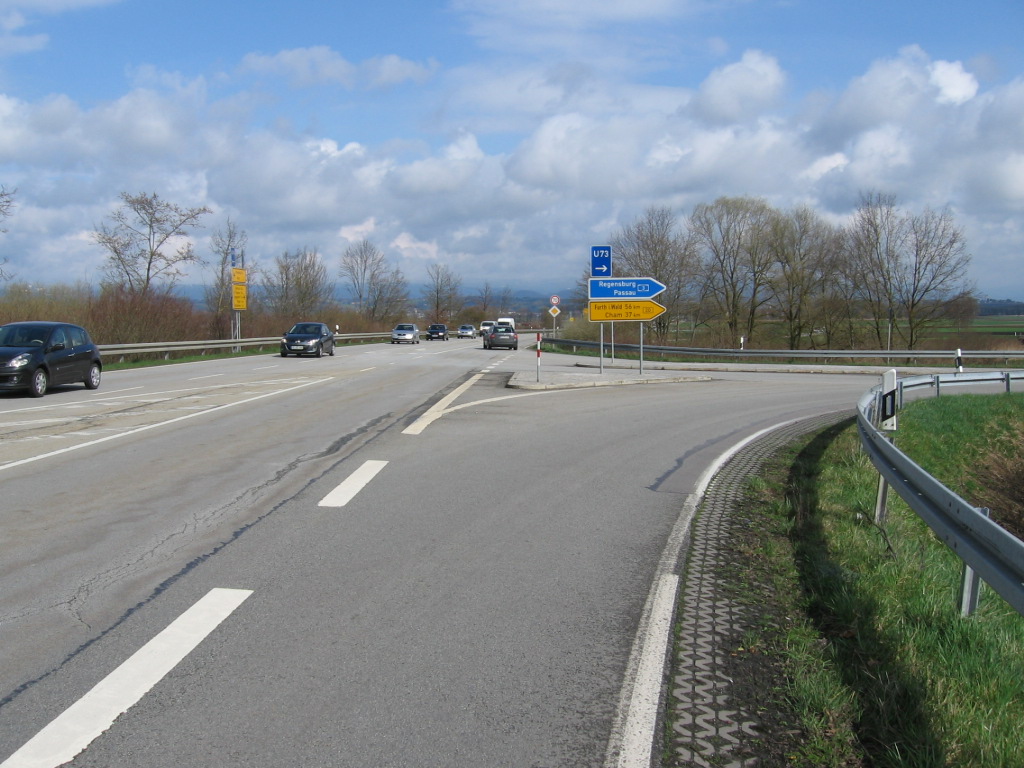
(890, 396)
(970, 585)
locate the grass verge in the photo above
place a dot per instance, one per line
(859, 641)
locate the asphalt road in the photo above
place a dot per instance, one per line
(381, 558)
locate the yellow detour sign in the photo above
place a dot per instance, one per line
(239, 297)
(641, 309)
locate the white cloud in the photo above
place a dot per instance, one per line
(304, 67)
(740, 91)
(358, 232)
(955, 85)
(386, 71)
(412, 249)
(542, 156)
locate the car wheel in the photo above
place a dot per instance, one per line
(38, 383)
(92, 378)
(319, 351)
(516, 347)
(331, 353)
(283, 353)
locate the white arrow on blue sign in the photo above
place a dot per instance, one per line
(625, 287)
(601, 260)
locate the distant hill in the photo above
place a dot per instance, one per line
(521, 300)
(1000, 307)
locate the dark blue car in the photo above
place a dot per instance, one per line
(35, 356)
(308, 339)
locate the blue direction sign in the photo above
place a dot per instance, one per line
(601, 260)
(625, 288)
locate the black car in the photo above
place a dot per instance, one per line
(35, 356)
(307, 339)
(437, 331)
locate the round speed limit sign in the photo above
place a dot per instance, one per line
(555, 300)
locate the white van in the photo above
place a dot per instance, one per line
(507, 321)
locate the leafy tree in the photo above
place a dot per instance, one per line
(147, 243)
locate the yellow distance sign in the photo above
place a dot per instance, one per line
(239, 297)
(641, 309)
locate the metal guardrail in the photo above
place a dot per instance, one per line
(166, 347)
(791, 354)
(987, 550)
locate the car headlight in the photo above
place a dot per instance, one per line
(20, 361)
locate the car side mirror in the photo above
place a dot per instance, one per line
(58, 347)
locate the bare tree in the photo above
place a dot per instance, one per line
(380, 290)
(505, 300)
(443, 293)
(485, 300)
(734, 235)
(932, 273)
(229, 248)
(148, 243)
(6, 209)
(803, 245)
(876, 239)
(654, 247)
(297, 286)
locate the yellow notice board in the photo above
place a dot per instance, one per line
(239, 297)
(643, 309)
(238, 275)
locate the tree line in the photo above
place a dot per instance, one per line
(733, 268)
(738, 264)
(148, 245)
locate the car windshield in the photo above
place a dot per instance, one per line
(437, 327)
(305, 328)
(23, 335)
(403, 328)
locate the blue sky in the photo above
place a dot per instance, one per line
(503, 139)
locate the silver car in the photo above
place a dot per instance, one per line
(405, 333)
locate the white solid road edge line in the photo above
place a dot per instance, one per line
(436, 411)
(633, 731)
(74, 729)
(353, 484)
(638, 730)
